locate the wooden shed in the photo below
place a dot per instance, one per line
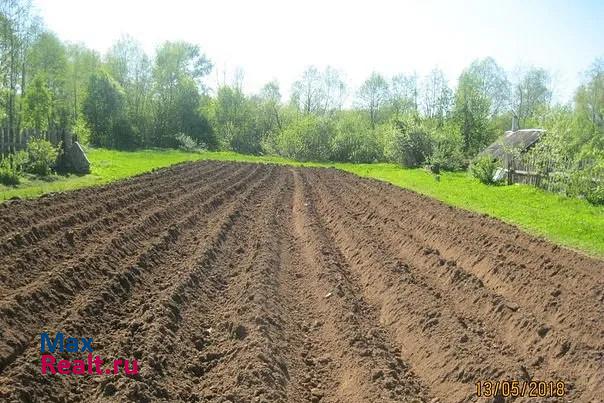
(520, 141)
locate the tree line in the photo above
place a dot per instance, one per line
(127, 99)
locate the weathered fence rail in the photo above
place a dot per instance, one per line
(550, 175)
(12, 140)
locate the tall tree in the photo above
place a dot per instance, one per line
(81, 64)
(589, 103)
(130, 65)
(532, 95)
(436, 96)
(37, 104)
(372, 96)
(307, 92)
(472, 112)
(178, 72)
(491, 80)
(270, 107)
(104, 110)
(233, 121)
(334, 90)
(48, 59)
(403, 94)
(319, 92)
(18, 28)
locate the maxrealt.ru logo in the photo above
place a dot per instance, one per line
(92, 365)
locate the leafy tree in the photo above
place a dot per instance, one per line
(471, 112)
(37, 110)
(447, 149)
(270, 117)
(19, 27)
(177, 74)
(232, 118)
(589, 102)
(403, 94)
(47, 58)
(491, 80)
(436, 96)
(307, 138)
(128, 63)
(104, 111)
(372, 96)
(532, 96)
(408, 143)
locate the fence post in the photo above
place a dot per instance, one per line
(2, 141)
(509, 161)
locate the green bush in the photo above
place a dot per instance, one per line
(409, 144)
(447, 150)
(484, 169)
(589, 184)
(41, 157)
(186, 143)
(354, 140)
(10, 168)
(306, 139)
(595, 195)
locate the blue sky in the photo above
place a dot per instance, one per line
(279, 39)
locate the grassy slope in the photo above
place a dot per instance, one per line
(571, 222)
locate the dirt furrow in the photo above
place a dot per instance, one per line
(115, 288)
(493, 322)
(232, 282)
(507, 260)
(66, 208)
(84, 235)
(545, 341)
(122, 251)
(371, 368)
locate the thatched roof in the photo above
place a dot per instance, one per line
(520, 140)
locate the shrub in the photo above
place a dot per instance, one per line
(408, 144)
(447, 151)
(595, 195)
(186, 143)
(41, 157)
(10, 167)
(589, 184)
(484, 169)
(354, 140)
(306, 139)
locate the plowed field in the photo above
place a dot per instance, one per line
(239, 282)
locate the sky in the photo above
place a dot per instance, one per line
(279, 39)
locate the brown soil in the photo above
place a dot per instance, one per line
(239, 282)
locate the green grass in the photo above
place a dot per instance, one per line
(571, 222)
(106, 166)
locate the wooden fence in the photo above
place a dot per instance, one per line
(550, 175)
(12, 140)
